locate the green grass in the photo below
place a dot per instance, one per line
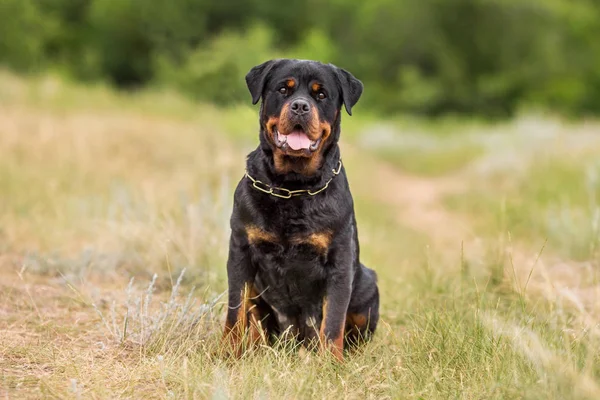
(427, 150)
(98, 188)
(432, 162)
(557, 200)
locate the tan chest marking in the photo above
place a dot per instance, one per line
(255, 235)
(320, 240)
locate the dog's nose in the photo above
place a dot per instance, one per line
(300, 107)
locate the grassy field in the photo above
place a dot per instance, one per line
(113, 237)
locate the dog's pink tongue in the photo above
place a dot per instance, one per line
(298, 140)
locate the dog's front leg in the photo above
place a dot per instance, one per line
(241, 323)
(335, 304)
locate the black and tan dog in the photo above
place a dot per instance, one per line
(294, 255)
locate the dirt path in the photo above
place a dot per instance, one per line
(417, 201)
(418, 204)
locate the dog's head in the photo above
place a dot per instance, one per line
(300, 112)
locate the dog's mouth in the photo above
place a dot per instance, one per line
(296, 140)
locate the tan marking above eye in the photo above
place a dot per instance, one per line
(315, 87)
(290, 83)
(255, 235)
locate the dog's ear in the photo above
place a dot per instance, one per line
(351, 88)
(256, 78)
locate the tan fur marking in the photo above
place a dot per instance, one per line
(306, 165)
(256, 332)
(280, 165)
(314, 126)
(285, 126)
(271, 123)
(322, 330)
(355, 321)
(270, 129)
(325, 128)
(255, 235)
(278, 154)
(316, 86)
(337, 346)
(250, 315)
(334, 345)
(321, 240)
(248, 322)
(290, 83)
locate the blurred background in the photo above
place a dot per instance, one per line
(473, 158)
(492, 58)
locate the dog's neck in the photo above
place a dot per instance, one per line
(261, 164)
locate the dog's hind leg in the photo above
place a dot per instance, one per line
(363, 312)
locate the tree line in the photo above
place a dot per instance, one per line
(427, 57)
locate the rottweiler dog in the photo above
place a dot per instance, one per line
(293, 264)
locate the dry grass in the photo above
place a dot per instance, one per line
(99, 188)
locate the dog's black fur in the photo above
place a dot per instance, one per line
(294, 263)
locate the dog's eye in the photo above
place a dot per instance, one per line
(321, 96)
(283, 90)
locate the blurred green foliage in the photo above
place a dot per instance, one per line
(428, 57)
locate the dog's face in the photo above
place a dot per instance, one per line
(301, 106)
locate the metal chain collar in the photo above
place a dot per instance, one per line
(283, 193)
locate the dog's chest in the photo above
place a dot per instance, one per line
(291, 266)
(295, 229)
(290, 241)
(289, 244)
